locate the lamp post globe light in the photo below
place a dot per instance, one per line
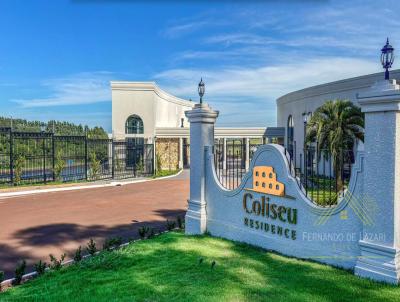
(201, 89)
(387, 58)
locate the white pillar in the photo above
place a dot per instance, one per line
(202, 119)
(380, 245)
(180, 153)
(224, 160)
(247, 154)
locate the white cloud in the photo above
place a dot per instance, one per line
(329, 28)
(179, 30)
(266, 81)
(256, 89)
(82, 88)
(269, 50)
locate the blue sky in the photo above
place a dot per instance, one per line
(57, 57)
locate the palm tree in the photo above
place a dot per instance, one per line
(335, 127)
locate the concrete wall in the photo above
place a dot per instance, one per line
(167, 150)
(128, 102)
(319, 233)
(156, 107)
(360, 232)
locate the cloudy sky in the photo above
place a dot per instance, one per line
(57, 57)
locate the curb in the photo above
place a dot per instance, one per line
(111, 184)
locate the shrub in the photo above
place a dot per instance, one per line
(18, 167)
(1, 278)
(95, 166)
(109, 243)
(40, 267)
(143, 231)
(170, 225)
(78, 254)
(91, 247)
(139, 166)
(55, 263)
(19, 272)
(152, 233)
(181, 222)
(59, 165)
(118, 163)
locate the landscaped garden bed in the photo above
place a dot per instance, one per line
(175, 267)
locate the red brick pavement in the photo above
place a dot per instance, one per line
(33, 226)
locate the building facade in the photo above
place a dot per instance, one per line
(142, 113)
(294, 108)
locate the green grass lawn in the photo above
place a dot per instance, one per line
(167, 268)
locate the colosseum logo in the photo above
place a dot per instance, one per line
(264, 181)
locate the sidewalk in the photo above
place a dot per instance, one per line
(19, 191)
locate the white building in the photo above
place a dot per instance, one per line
(143, 113)
(293, 108)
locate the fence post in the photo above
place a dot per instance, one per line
(380, 242)
(112, 160)
(44, 157)
(153, 147)
(247, 151)
(202, 119)
(180, 165)
(224, 154)
(86, 158)
(11, 158)
(53, 150)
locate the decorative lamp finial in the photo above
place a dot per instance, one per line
(201, 89)
(387, 57)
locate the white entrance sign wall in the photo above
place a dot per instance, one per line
(269, 209)
(290, 224)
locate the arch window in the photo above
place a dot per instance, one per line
(134, 125)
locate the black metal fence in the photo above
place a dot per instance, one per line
(230, 160)
(36, 157)
(322, 178)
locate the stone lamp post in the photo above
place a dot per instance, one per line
(202, 119)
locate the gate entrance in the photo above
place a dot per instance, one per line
(34, 157)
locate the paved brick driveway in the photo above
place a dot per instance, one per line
(33, 226)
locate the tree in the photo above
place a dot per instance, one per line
(335, 127)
